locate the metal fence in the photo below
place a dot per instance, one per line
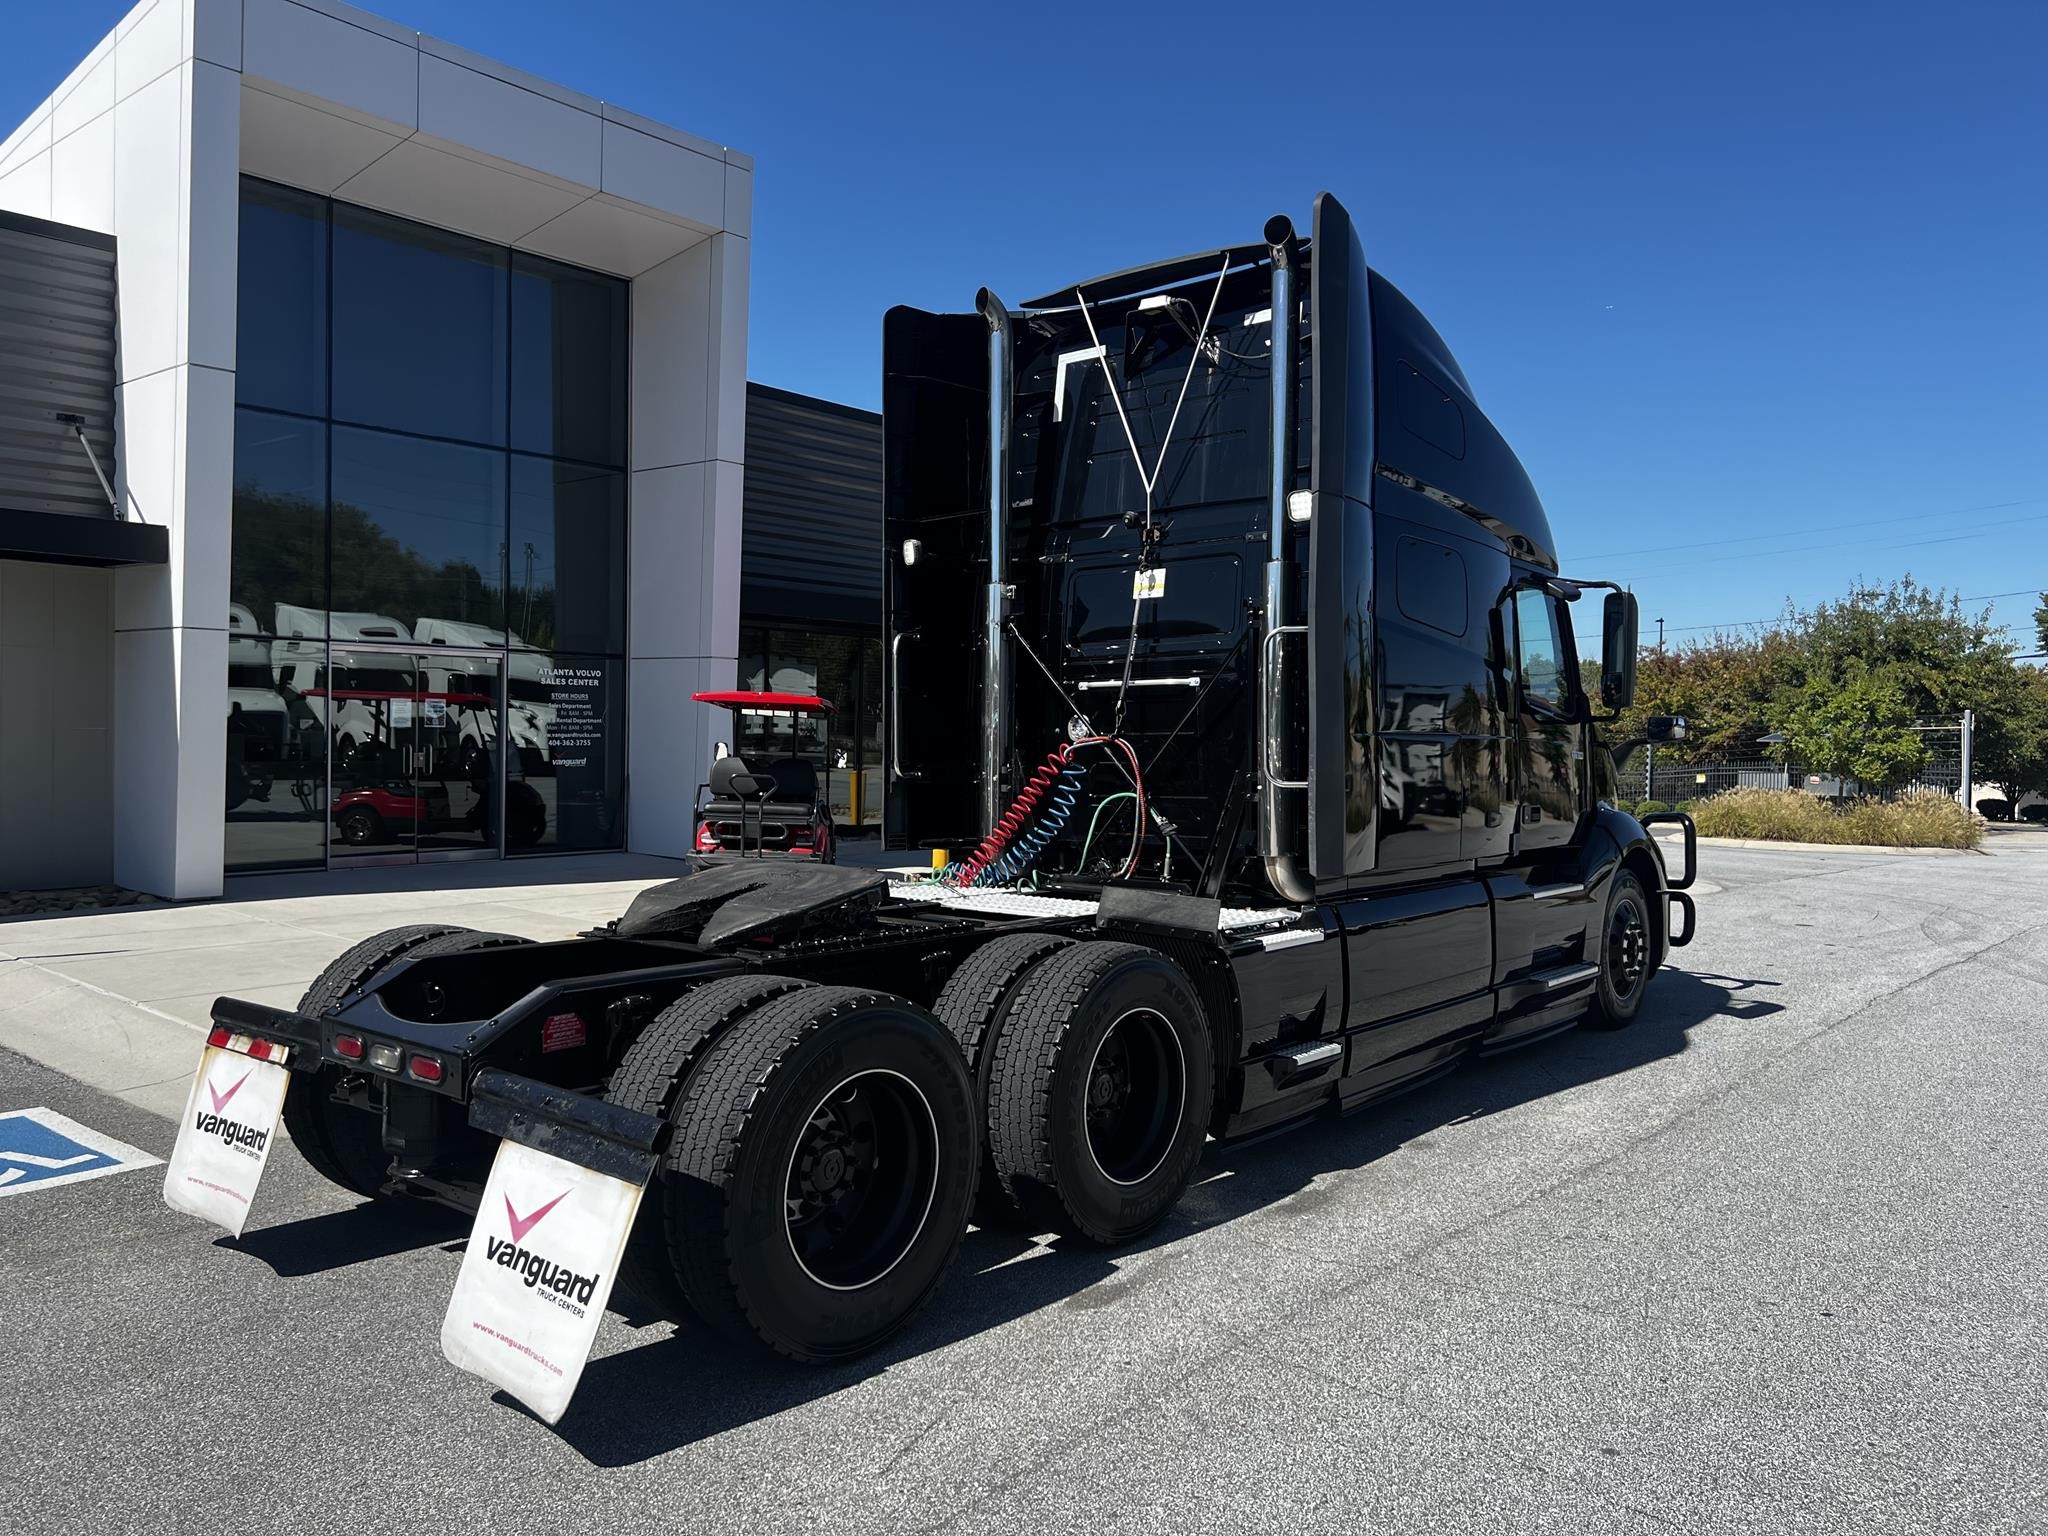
(1665, 775)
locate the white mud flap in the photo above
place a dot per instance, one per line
(548, 1238)
(225, 1136)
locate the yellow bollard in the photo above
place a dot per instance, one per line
(939, 860)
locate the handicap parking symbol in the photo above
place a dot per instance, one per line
(40, 1149)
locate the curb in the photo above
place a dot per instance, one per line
(1790, 847)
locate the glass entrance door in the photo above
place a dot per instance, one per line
(414, 753)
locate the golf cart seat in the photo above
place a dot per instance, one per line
(786, 787)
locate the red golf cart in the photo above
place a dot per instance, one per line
(766, 802)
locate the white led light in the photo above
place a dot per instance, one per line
(1299, 504)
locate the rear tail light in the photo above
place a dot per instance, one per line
(384, 1057)
(426, 1068)
(350, 1046)
(707, 840)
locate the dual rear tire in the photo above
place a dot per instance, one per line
(1095, 1071)
(823, 1163)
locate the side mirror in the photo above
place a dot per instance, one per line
(1665, 728)
(1618, 650)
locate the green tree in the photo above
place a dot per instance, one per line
(1858, 726)
(2012, 749)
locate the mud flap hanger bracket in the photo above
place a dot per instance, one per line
(575, 1127)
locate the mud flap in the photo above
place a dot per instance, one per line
(549, 1236)
(229, 1124)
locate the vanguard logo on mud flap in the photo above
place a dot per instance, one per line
(531, 1267)
(245, 1138)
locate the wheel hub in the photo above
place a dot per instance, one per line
(831, 1160)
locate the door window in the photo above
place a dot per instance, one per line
(1540, 652)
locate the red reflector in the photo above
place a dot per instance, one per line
(219, 1036)
(562, 1032)
(260, 1049)
(350, 1046)
(425, 1068)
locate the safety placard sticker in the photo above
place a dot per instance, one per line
(542, 1256)
(224, 1139)
(1148, 583)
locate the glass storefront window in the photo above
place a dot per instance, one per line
(276, 757)
(418, 537)
(419, 329)
(281, 301)
(568, 362)
(567, 566)
(425, 626)
(566, 764)
(843, 667)
(279, 560)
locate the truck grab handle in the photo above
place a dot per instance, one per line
(896, 768)
(1269, 667)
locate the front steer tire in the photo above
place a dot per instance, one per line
(1100, 1091)
(1628, 953)
(345, 1145)
(823, 1164)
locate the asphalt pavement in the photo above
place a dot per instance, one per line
(1774, 1259)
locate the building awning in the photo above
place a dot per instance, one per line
(64, 538)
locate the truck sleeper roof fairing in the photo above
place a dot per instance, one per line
(1117, 576)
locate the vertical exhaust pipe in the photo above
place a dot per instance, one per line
(1278, 844)
(995, 689)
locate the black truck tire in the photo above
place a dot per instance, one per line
(974, 1004)
(650, 1078)
(782, 1217)
(1628, 944)
(344, 1145)
(1100, 1091)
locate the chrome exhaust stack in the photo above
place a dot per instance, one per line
(995, 690)
(1278, 843)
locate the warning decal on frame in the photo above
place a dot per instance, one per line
(535, 1277)
(1148, 583)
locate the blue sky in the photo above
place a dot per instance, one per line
(1758, 291)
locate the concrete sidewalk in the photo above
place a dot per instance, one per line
(118, 999)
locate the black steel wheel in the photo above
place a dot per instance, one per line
(974, 1004)
(823, 1164)
(343, 1141)
(1628, 948)
(1100, 1091)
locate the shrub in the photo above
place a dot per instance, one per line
(1649, 806)
(1920, 819)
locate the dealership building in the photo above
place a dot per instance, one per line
(379, 477)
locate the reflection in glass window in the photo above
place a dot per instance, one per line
(418, 536)
(281, 300)
(419, 328)
(276, 764)
(567, 566)
(568, 361)
(1541, 649)
(279, 557)
(566, 770)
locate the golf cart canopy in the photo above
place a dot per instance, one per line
(796, 703)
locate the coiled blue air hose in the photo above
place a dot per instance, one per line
(1061, 799)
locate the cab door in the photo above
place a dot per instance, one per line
(1548, 757)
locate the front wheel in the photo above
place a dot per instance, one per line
(1627, 942)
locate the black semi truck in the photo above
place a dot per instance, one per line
(1230, 663)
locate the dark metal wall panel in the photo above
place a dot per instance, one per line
(811, 546)
(56, 354)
